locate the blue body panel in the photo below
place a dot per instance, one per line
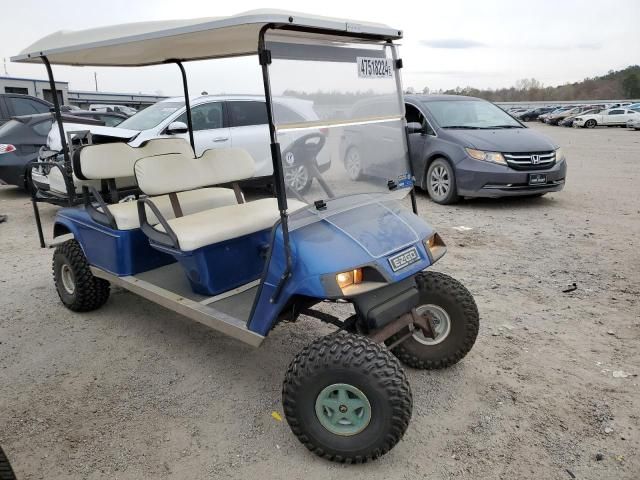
(321, 247)
(365, 235)
(121, 252)
(223, 266)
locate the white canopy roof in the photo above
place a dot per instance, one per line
(151, 43)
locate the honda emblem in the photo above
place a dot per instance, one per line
(535, 159)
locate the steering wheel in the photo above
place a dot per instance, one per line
(305, 149)
(300, 164)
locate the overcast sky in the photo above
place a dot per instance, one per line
(488, 43)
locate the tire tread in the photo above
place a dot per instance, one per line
(91, 292)
(432, 281)
(342, 349)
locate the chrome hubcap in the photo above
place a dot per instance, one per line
(439, 181)
(353, 164)
(68, 283)
(296, 177)
(441, 324)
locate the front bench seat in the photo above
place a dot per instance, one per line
(126, 215)
(166, 174)
(224, 223)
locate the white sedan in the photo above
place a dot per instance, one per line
(609, 118)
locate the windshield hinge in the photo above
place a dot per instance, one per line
(320, 205)
(399, 64)
(265, 57)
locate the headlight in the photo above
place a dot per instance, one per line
(435, 247)
(559, 155)
(493, 157)
(577, 118)
(351, 277)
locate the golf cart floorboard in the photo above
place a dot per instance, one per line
(168, 286)
(171, 277)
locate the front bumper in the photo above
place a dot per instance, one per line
(483, 179)
(382, 306)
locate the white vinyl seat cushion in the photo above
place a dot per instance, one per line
(224, 223)
(191, 202)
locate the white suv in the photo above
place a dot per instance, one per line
(218, 122)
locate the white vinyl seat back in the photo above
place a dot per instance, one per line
(117, 160)
(176, 173)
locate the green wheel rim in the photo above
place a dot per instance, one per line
(343, 409)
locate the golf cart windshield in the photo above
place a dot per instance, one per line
(356, 145)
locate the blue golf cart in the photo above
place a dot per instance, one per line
(191, 240)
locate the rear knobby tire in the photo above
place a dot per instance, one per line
(363, 366)
(78, 289)
(446, 294)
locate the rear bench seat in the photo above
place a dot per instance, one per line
(168, 173)
(116, 160)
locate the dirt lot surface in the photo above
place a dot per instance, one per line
(133, 391)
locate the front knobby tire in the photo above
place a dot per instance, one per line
(77, 288)
(346, 398)
(457, 322)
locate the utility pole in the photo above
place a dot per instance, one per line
(95, 79)
(4, 59)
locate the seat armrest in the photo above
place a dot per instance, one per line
(103, 217)
(168, 238)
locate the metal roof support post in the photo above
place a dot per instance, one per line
(36, 214)
(68, 170)
(187, 104)
(397, 65)
(278, 175)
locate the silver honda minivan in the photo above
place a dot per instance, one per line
(468, 147)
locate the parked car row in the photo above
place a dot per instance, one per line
(460, 146)
(585, 116)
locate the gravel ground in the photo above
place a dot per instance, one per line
(133, 391)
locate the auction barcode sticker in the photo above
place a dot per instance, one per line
(371, 67)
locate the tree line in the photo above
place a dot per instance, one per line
(618, 84)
